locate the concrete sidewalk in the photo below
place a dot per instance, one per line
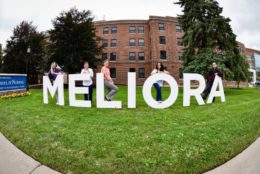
(247, 162)
(14, 161)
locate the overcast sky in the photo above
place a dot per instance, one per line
(244, 14)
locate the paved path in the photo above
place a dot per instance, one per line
(14, 161)
(247, 162)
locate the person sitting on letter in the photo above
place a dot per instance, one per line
(112, 89)
(54, 71)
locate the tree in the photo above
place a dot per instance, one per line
(73, 40)
(24, 51)
(202, 61)
(209, 35)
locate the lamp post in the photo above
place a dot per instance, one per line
(27, 62)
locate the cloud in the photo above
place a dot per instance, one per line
(243, 13)
(245, 16)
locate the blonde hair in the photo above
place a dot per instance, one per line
(57, 66)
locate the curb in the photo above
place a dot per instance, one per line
(247, 162)
(14, 161)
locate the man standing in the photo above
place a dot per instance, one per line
(213, 72)
(112, 89)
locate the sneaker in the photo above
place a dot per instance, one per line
(107, 99)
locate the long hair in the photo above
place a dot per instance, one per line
(162, 67)
(57, 66)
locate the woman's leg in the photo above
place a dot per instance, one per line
(90, 88)
(158, 92)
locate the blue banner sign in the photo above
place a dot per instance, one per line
(13, 82)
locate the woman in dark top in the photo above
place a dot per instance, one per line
(213, 72)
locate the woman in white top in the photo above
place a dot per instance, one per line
(159, 84)
(88, 83)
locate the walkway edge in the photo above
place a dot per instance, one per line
(247, 162)
(13, 160)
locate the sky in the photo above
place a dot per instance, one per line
(244, 14)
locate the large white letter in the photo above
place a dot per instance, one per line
(188, 92)
(149, 84)
(214, 93)
(73, 90)
(101, 103)
(58, 85)
(131, 90)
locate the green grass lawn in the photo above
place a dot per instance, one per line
(142, 140)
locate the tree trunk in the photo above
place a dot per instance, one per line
(238, 83)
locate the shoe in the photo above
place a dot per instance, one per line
(107, 99)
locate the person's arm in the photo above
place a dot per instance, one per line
(106, 76)
(209, 75)
(91, 73)
(82, 71)
(166, 72)
(220, 74)
(154, 72)
(59, 71)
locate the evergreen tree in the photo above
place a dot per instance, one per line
(24, 51)
(208, 32)
(74, 40)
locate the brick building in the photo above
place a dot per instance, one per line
(137, 45)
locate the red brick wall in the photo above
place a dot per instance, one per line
(151, 48)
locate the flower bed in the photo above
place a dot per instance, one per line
(15, 95)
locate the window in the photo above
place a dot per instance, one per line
(114, 30)
(132, 29)
(178, 29)
(141, 73)
(161, 27)
(131, 69)
(104, 56)
(179, 42)
(113, 56)
(131, 56)
(132, 42)
(141, 56)
(140, 42)
(113, 43)
(162, 40)
(105, 43)
(180, 55)
(140, 29)
(106, 30)
(163, 55)
(113, 72)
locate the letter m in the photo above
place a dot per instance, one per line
(57, 86)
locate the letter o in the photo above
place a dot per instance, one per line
(149, 84)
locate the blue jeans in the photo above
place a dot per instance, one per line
(158, 92)
(90, 92)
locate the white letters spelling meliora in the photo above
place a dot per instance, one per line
(58, 87)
